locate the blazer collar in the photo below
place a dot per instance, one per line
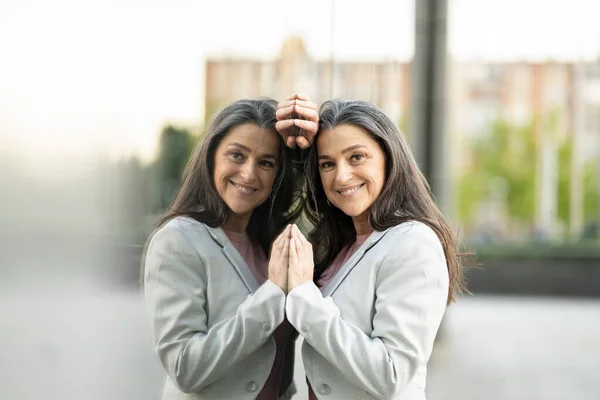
(371, 241)
(234, 258)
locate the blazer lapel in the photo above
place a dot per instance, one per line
(234, 258)
(352, 261)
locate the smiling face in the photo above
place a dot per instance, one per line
(246, 164)
(352, 169)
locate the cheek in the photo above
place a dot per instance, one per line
(223, 171)
(378, 174)
(218, 175)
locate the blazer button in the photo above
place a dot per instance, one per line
(266, 327)
(324, 389)
(305, 328)
(251, 386)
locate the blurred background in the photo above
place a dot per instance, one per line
(101, 103)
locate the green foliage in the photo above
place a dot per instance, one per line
(565, 157)
(504, 163)
(591, 192)
(176, 145)
(506, 158)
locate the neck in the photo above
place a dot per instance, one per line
(237, 223)
(361, 224)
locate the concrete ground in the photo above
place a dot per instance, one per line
(84, 343)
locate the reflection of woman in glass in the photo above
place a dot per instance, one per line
(215, 302)
(386, 261)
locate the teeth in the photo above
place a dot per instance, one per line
(243, 189)
(347, 192)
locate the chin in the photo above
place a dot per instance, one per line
(352, 212)
(240, 209)
(244, 208)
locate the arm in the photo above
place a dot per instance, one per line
(411, 292)
(193, 355)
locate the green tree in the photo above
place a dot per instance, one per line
(591, 195)
(506, 152)
(175, 147)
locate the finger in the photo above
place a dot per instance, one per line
(306, 113)
(305, 104)
(277, 245)
(299, 97)
(286, 233)
(284, 112)
(291, 142)
(285, 252)
(293, 255)
(302, 142)
(282, 125)
(298, 245)
(283, 234)
(287, 103)
(306, 125)
(277, 241)
(296, 234)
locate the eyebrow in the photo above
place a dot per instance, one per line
(346, 150)
(352, 148)
(247, 149)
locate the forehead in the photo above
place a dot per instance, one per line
(254, 137)
(343, 136)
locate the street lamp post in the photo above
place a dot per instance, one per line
(429, 141)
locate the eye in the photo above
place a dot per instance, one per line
(236, 156)
(357, 157)
(267, 164)
(326, 165)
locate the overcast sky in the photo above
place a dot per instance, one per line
(79, 75)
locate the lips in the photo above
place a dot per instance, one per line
(348, 191)
(243, 188)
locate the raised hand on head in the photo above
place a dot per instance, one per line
(297, 121)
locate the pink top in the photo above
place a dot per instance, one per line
(255, 257)
(343, 256)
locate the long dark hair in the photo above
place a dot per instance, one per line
(198, 198)
(406, 195)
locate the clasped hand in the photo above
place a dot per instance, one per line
(297, 121)
(291, 262)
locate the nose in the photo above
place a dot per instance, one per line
(248, 172)
(343, 174)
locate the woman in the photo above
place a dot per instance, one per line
(216, 304)
(386, 261)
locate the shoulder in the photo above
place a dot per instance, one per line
(415, 246)
(174, 248)
(180, 234)
(411, 233)
(182, 227)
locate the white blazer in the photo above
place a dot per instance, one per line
(371, 332)
(212, 323)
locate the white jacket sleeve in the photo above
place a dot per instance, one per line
(193, 355)
(411, 291)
